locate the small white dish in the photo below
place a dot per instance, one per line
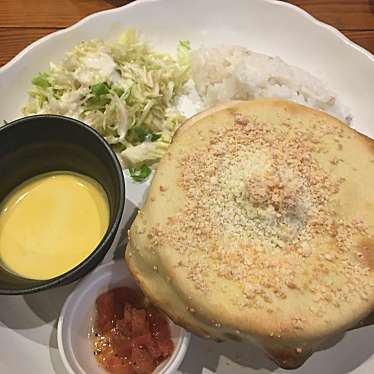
(76, 316)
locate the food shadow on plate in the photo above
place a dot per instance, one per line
(54, 354)
(342, 354)
(46, 305)
(34, 317)
(129, 215)
(205, 355)
(28, 313)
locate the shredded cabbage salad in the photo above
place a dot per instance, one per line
(123, 89)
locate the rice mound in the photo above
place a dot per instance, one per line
(235, 73)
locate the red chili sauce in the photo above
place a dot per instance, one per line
(130, 336)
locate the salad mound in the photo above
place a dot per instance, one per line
(124, 89)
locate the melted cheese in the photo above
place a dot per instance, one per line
(51, 223)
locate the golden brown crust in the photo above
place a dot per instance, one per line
(229, 106)
(259, 225)
(367, 253)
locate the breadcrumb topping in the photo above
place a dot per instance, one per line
(260, 214)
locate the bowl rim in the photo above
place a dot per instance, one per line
(113, 227)
(169, 368)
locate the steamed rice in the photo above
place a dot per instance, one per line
(235, 73)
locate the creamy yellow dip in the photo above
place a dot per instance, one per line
(50, 223)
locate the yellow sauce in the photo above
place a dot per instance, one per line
(51, 223)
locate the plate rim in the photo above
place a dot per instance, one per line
(329, 28)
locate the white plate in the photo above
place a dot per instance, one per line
(271, 27)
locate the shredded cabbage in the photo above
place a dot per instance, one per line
(124, 89)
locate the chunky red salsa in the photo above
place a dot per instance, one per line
(130, 335)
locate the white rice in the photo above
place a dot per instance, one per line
(235, 73)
